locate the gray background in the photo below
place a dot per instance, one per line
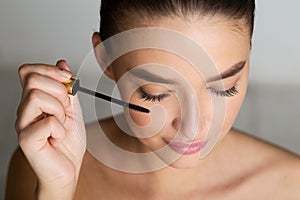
(45, 31)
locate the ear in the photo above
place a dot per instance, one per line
(101, 55)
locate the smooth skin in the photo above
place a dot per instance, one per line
(239, 167)
(49, 125)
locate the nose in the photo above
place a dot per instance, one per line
(192, 121)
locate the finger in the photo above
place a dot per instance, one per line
(36, 104)
(36, 137)
(63, 65)
(47, 85)
(46, 70)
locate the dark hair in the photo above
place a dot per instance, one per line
(116, 13)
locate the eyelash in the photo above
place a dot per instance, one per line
(153, 98)
(227, 93)
(157, 98)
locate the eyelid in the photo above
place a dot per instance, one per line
(223, 92)
(157, 93)
(211, 85)
(226, 93)
(149, 97)
(156, 88)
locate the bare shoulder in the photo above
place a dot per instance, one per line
(276, 170)
(111, 128)
(265, 148)
(104, 124)
(21, 179)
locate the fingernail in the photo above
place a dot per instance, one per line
(64, 73)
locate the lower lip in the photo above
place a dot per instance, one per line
(187, 148)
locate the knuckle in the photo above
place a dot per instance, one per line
(22, 139)
(32, 80)
(22, 69)
(34, 95)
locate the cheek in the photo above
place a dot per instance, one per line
(141, 119)
(164, 111)
(233, 107)
(232, 110)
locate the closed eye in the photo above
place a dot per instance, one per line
(153, 98)
(225, 93)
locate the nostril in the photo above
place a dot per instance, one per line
(176, 123)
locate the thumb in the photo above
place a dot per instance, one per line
(63, 65)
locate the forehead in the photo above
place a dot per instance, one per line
(222, 41)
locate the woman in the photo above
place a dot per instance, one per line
(52, 162)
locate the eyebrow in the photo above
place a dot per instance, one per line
(148, 76)
(236, 68)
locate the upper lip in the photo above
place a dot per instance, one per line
(185, 143)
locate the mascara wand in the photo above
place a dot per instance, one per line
(73, 86)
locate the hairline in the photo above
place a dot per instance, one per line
(237, 23)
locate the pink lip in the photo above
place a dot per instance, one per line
(185, 148)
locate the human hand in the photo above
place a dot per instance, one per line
(51, 129)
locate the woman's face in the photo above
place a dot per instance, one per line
(185, 97)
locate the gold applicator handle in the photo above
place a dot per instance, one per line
(72, 85)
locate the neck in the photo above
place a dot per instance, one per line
(208, 173)
(200, 178)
